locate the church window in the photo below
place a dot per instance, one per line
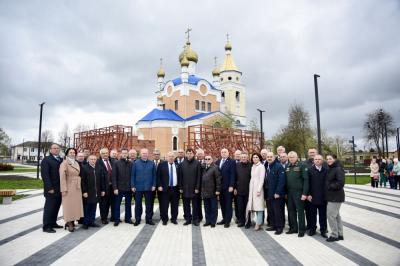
(174, 143)
(176, 105)
(209, 107)
(229, 78)
(222, 79)
(238, 96)
(237, 78)
(203, 106)
(217, 124)
(197, 104)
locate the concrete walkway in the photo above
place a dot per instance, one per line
(371, 231)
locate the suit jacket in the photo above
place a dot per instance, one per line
(121, 175)
(317, 184)
(189, 177)
(101, 170)
(50, 172)
(210, 181)
(92, 184)
(163, 174)
(228, 173)
(276, 177)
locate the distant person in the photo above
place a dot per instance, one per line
(143, 181)
(389, 173)
(382, 173)
(93, 188)
(284, 160)
(210, 190)
(334, 195)
(50, 172)
(180, 157)
(71, 192)
(86, 154)
(113, 156)
(374, 167)
(255, 204)
(396, 172)
(132, 155)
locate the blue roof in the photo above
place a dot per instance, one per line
(193, 79)
(198, 116)
(157, 114)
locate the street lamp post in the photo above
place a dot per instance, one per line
(40, 139)
(398, 142)
(261, 129)
(316, 76)
(354, 158)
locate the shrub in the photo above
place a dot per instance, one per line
(6, 167)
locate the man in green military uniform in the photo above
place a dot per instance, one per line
(297, 186)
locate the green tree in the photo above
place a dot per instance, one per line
(4, 142)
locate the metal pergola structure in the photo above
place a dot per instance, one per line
(212, 139)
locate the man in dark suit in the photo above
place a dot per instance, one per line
(227, 166)
(236, 156)
(104, 170)
(181, 157)
(157, 161)
(316, 198)
(50, 172)
(202, 161)
(189, 185)
(167, 184)
(121, 182)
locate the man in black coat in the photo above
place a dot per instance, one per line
(50, 172)
(210, 189)
(104, 170)
(200, 158)
(243, 176)
(189, 184)
(276, 177)
(227, 167)
(121, 182)
(316, 198)
(93, 188)
(168, 191)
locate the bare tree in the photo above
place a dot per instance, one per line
(47, 139)
(64, 136)
(374, 128)
(81, 127)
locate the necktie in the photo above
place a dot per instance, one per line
(108, 166)
(222, 163)
(171, 176)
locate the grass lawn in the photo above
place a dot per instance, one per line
(19, 182)
(20, 170)
(361, 180)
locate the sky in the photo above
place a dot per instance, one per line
(95, 62)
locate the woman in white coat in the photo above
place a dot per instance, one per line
(256, 191)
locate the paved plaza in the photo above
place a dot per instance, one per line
(372, 237)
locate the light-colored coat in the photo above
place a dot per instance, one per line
(256, 203)
(374, 170)
(70, 182)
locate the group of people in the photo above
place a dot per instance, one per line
(244, 183)
(383, 171)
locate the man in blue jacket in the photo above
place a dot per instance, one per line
(143, 181)
(227, 167)
(276, 178)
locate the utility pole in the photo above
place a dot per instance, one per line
(40, 139)
(261, 129)
(316, 76)
(354, 159)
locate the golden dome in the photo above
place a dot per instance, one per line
(190, 54)
(184, 61)
(161, 72)
(215, 71)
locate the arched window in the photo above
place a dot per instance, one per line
(174, 143)
(209, 107)
(197, 104)
(176, 105)
(217, 124)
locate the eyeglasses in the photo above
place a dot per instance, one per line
(208, 159)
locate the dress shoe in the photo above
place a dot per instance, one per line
(291, 232)
(116, 223)
(301, 234)
(112, 220)
(340, 238)
(221, 222)
(212, 225)
(150, 223)
(164, 223)
(104, 221)
(57, 226)
(332, 239)
(323, 234)
(270, 229)
(236, 221)
(226, 225)
(129, 222)
(247, 226)
(278, 231)
(187, 222)
(311, 232)
(174, 222)
(136, 223)
(240, 225)
(207, 224)
(94, 225)
(49, 230)
(196, 223)
(85, 226)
